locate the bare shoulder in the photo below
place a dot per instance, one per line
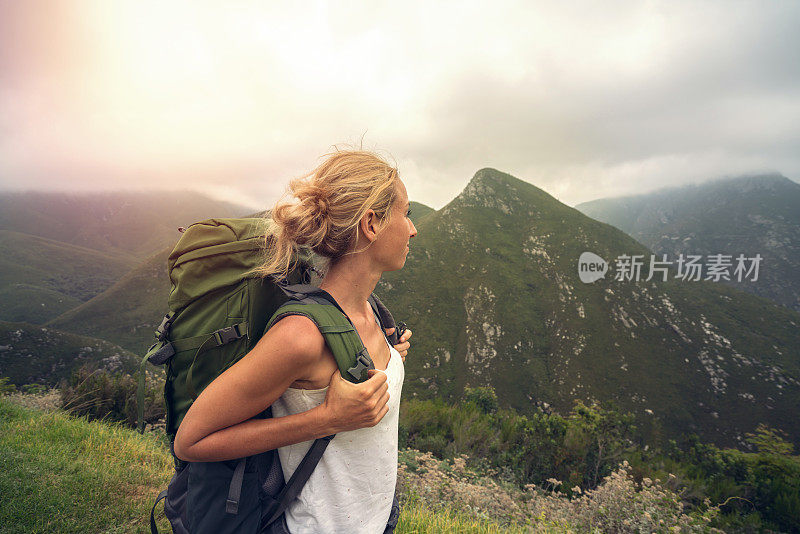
(297, 337)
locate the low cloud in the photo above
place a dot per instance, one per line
(583, 100)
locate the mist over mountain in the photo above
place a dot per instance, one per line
(131, 225)
(62, 249)
(747, 215)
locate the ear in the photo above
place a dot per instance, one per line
(369, 225)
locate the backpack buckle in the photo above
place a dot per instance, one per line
(227, 334)
(163, 328)
(363, 361)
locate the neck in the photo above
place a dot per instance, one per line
(351, 281)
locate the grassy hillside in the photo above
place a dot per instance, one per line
(67, 475)
(33, 354)
(129, 311)
(33, 304)
(419, 211)
(41, 278)
(62, 474)
(59, 474)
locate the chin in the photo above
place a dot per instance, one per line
(396, 267)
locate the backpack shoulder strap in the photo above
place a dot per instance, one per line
(385, 318)
(337, 329)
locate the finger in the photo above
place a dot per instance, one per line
(407, 334)
(383, 400)
(383, 412)
(375, 380)
(380, 392)
(390, 331)
(402, 348)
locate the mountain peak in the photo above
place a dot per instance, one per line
(491, 188)
(489, 176)
(769, 182)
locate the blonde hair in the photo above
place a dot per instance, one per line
(331, 200)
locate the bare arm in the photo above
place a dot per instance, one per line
(219, 424)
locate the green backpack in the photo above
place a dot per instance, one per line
(219, 309)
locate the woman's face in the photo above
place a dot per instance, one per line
(393, 240)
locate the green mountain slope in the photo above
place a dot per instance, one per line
(32, 354)
(129, 311)
(419, 211)
(491, 290)
(41, 278)
(33, 304)
(130, 225)
(746, 215)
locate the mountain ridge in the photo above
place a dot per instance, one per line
(500, 264)
(131, 225)
(753, 214)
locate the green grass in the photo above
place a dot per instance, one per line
(416, 517)
(64, 474)
(61, 474)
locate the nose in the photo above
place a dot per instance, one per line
(413, 231)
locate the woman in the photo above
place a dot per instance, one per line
(353, 209)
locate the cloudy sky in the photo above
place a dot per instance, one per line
(582, 99)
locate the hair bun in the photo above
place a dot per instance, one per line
(319, 199)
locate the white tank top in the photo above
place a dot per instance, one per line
(352, 487)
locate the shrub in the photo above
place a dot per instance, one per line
(483, 397)
(34, 389)
(618, 504)
(6, 386)
(581, 448)
(100, 394)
